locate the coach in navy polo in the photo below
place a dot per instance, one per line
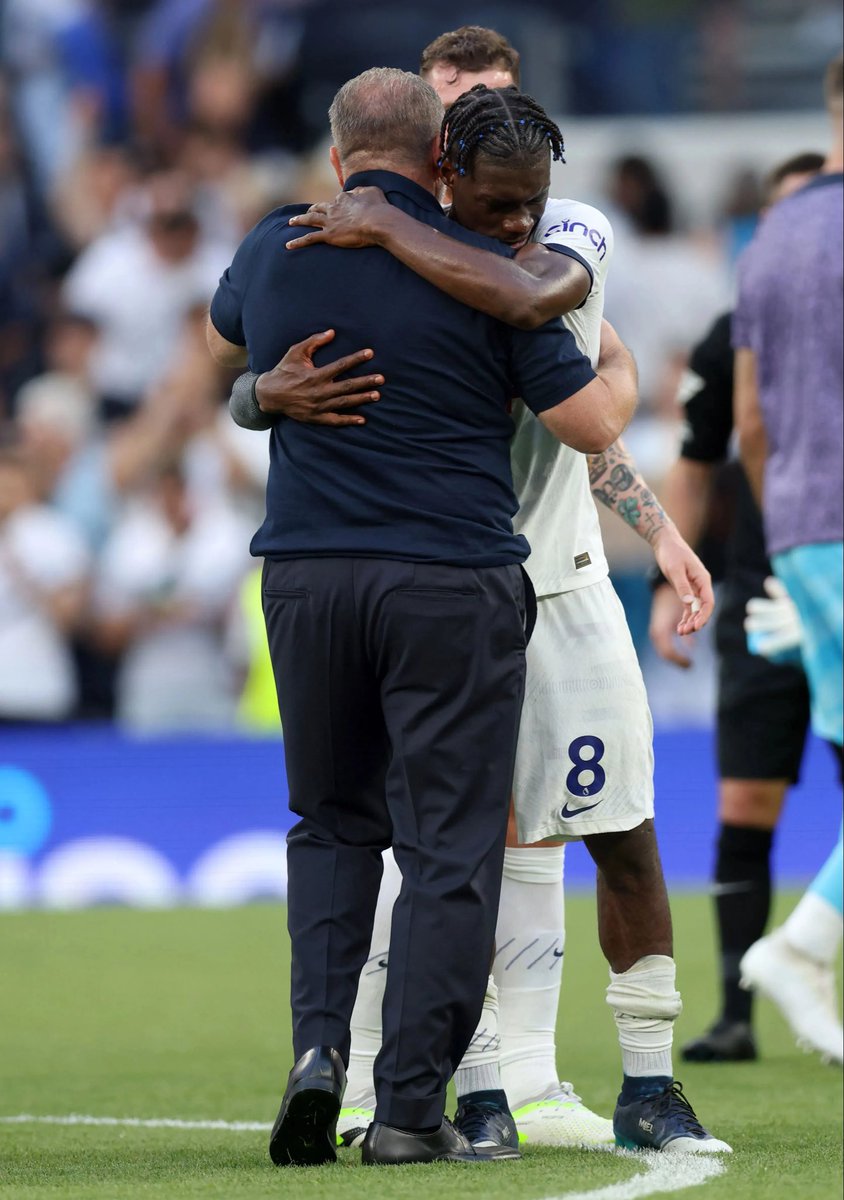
(395, 607)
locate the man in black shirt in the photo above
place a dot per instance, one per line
(763, 707)
(394, 601)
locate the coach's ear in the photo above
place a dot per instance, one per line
(334, 156)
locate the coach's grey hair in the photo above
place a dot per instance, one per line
(386, 113)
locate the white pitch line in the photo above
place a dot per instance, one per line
(665, 1173)
(138, 1122)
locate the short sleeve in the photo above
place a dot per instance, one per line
(706, 396)
(227, 304)
(546, 366)
(579, 231)
(88, 284)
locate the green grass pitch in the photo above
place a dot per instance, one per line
(184, 1014)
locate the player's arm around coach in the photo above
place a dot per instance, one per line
(589, 421)
(395, 608)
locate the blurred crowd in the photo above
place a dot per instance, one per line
(138, 142)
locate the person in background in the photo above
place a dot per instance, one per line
(170, 265)
(665, 286)
(95, 194)
(247, 646)
(31, 254)
(69, 344)
(166, 580)
(31, 32)
(763, 707)
(789, 392)
(226, 64)
(684, 284)
(44, 571)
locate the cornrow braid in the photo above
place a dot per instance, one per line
(500, 122)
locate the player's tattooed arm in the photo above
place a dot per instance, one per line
(526, 291)
(617, 484)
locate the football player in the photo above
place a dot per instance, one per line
(584, 766)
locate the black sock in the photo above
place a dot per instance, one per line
(492, 1098)
(742, 902)
(640, 1087)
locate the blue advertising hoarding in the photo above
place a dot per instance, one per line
(89, 815)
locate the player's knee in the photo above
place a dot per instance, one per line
(751, 803)
(647, 989)
(629, 862)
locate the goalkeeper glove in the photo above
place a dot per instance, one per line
(772, 625)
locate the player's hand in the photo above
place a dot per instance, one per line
(297, 389)
(772, 623)
(353, 219)
(666, 611)
(688, 577)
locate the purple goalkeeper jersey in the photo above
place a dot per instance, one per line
(789, 313)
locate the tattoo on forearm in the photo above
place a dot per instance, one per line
(617, 484)
(629, 509)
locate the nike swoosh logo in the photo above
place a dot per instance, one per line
(559, 953)
(565, 811)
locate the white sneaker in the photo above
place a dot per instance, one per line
(352, 1124)
(802, 989)
(562, 1119)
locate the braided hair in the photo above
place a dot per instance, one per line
(499, 122)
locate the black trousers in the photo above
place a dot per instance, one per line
(400, 688)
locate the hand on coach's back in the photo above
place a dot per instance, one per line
(353, 219)
(298, 389)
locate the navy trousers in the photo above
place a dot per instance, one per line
(400, 687)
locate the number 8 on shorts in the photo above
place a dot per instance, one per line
(576, 780)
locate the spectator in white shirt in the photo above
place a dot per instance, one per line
(139, 282)
(44, 567)
(663, 286)
(168, 575)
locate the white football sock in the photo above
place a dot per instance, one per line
(645, 1005)
(366, 1015)
(814, 929)
(530, 938)
(478, 1070)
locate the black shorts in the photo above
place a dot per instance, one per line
(763, 708)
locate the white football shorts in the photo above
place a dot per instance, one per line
(584, 763)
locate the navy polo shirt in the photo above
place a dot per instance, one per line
(427, 478)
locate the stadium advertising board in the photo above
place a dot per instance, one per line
(90, 816)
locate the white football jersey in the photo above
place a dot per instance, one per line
(557, 511)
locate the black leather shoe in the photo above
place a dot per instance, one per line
(305, 1129)
(726, 1041)
(386, 1146)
